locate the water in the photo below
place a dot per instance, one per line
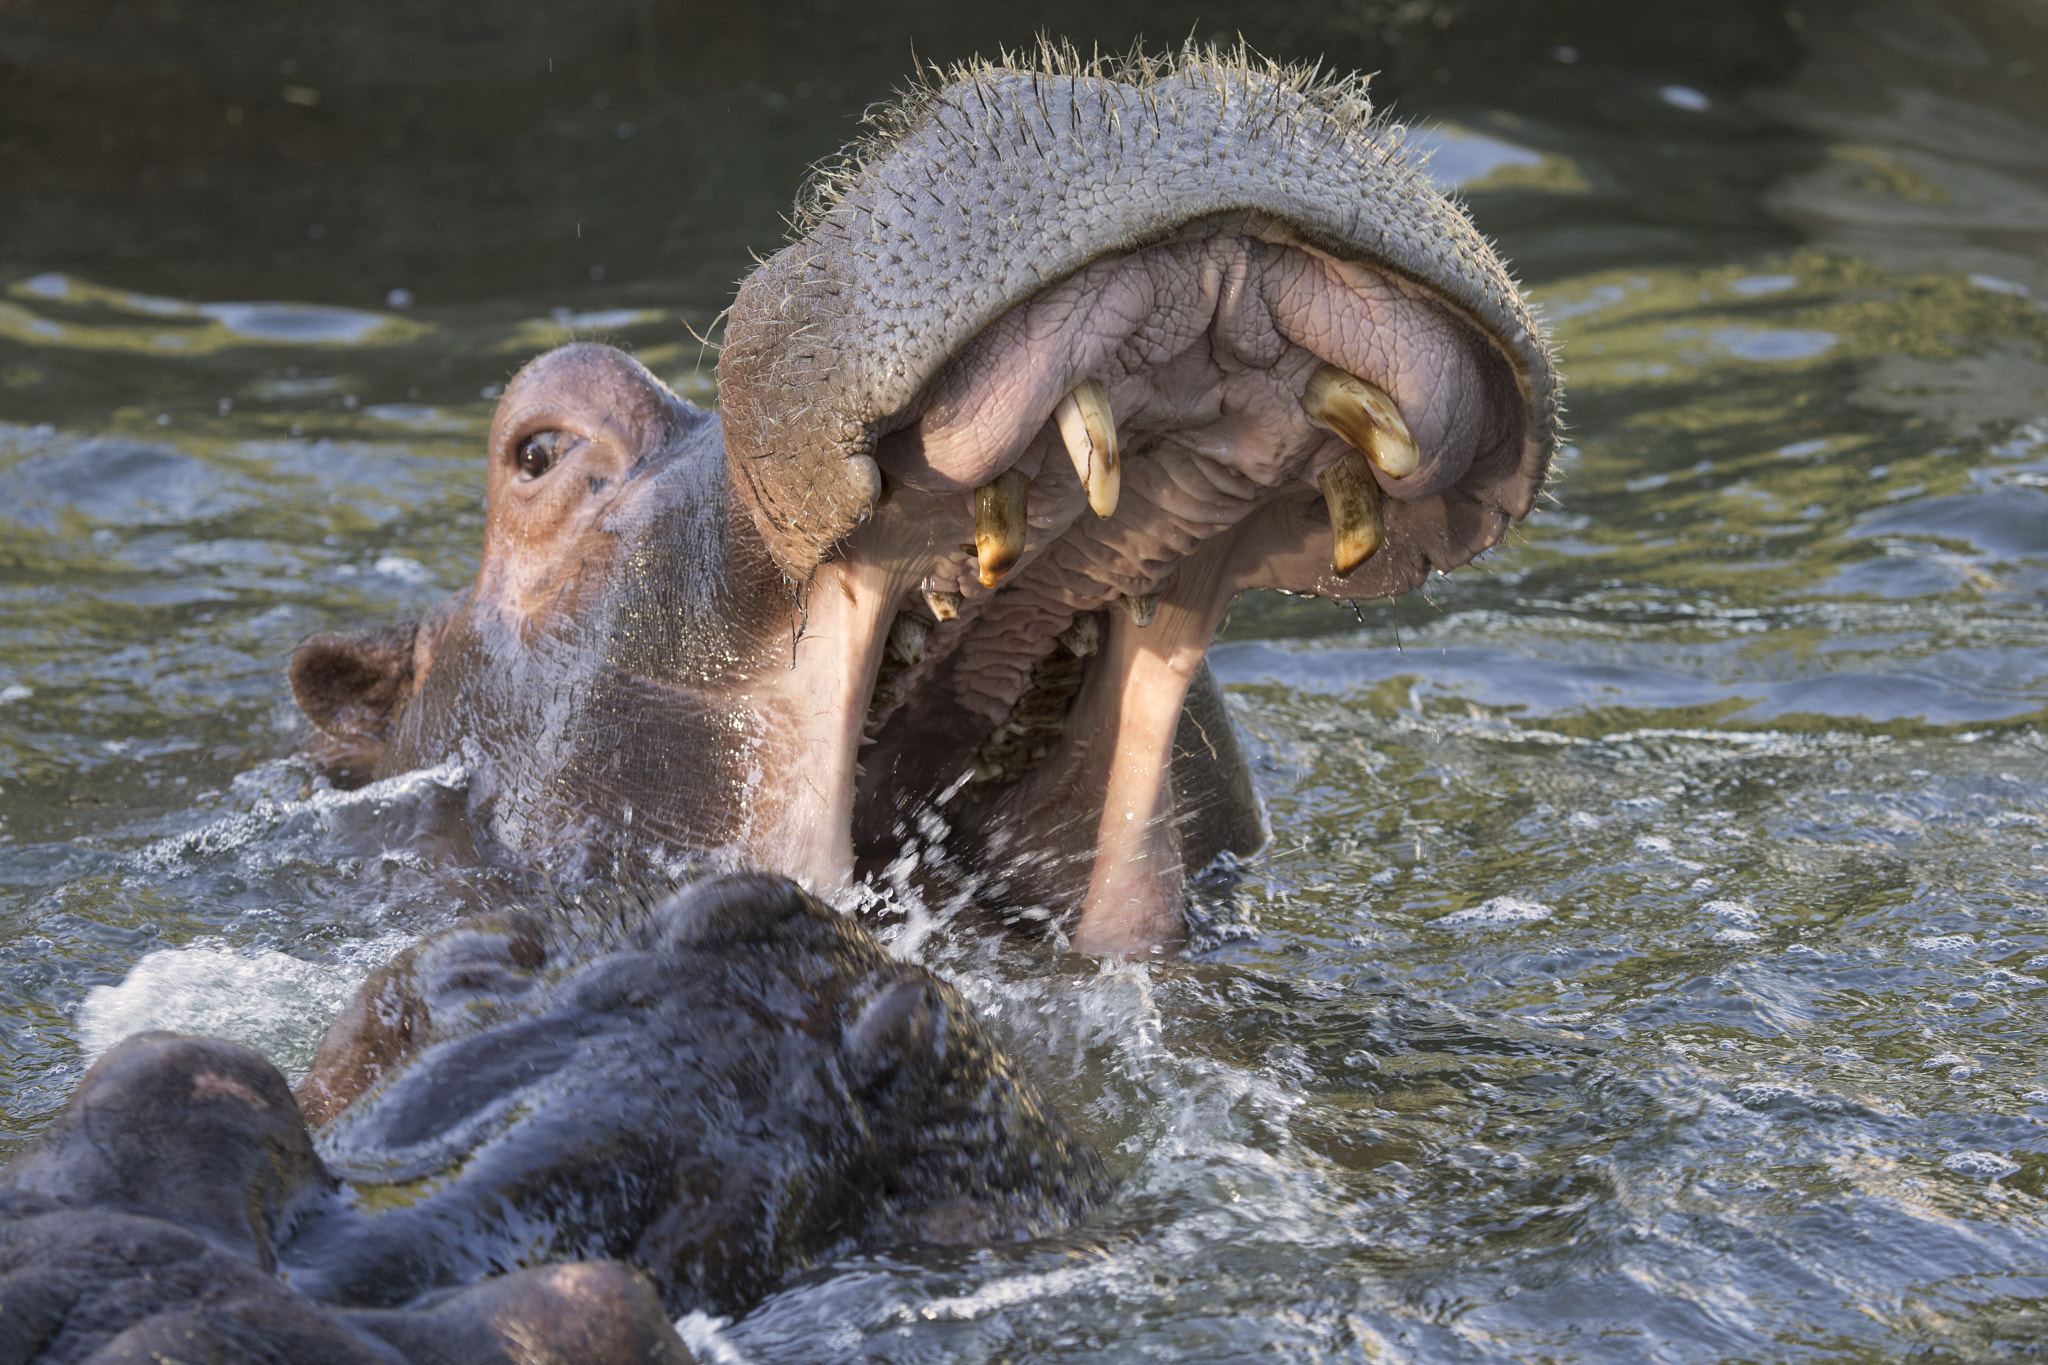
(1650, 959)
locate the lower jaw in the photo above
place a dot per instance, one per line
(1091, 831)
(1099, 814)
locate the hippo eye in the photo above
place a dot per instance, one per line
(538, 453)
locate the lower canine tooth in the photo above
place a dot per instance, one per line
(1354, 499)
(945, 606)
(999, 507)
(1365, 416)
(1140, 609)
(1088, 428)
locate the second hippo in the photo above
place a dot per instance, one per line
(550, 1128)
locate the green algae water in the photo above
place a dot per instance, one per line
(1651, 958)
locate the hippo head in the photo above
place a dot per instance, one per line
(545, 1133)
(1062, 360)
(723, 1086)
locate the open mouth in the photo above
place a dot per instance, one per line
(1023, 492)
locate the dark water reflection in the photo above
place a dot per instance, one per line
(1650, 961)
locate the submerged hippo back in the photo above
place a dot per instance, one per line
(721, 1089)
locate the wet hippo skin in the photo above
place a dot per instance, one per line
(1061, 360)
(551, 1132)
(142, 1227)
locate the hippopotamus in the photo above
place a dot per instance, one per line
(1061, 359)
(543, 1135)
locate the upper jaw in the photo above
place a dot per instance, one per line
(982, 194)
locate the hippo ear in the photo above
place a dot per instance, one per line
(906, 1019)
(348, 685)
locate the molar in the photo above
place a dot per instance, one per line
(902, 651)
(1355, 525)
(1088, 427)
(945, 606)
(1039, 716)
(999, 511)
(1083, 636)
(1141, 609)
(1365, 416)
(907, 635)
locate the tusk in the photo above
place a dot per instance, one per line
(1354, 499)
(945, 606)
(1089, 429)
(1365, 417)
(999, 507)
(1140, 609)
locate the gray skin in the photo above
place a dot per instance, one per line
(656, 1108)
(717, 633)
(144, 1225)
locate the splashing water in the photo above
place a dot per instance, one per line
(1650, 959)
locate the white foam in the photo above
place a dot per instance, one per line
(705, 1336)
(269, 1001)
(1989, 1165)
(1945, 943)
(1006, 1293)
(1733, 911)
(321, 814)
(1501, 910)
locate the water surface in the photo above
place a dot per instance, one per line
(1650, 959)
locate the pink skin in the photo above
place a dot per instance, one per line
(1204, 348)
(1101, 803)
(1181, 335)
